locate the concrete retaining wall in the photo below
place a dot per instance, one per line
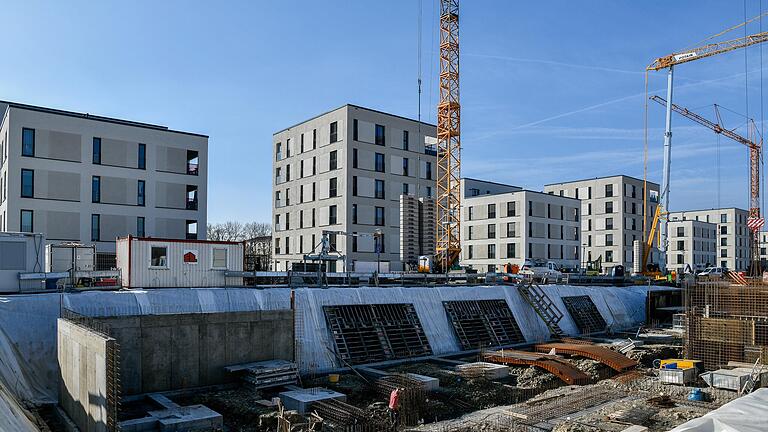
(169, 352)
(82, 356)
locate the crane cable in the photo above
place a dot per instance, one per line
(645, 159)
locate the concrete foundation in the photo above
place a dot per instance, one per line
(301, 400)
(486, 370)
(173, 418)
(430, 384)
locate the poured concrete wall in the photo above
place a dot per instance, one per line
(176, 351)
(82, 356)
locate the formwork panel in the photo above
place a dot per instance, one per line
(585, 314)
(483, 323)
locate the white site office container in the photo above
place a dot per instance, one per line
(678, 376)
(19, 253)
(171, 263)
(64, 257)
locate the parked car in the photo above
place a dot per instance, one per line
(714, 272)
(542, 270)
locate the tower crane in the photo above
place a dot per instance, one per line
(755, 145)
(669, 62)
(448, 221)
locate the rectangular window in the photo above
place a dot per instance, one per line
(380, 189)
(405, 140)
(27, 183)
(723, 229)
(380, 165)
(332, 215)
(301, 218)
(405, 166)
(380, 135)
(723, 218)
(278, 151)
(429, 191)
(724, 241)
(96, 151)
(288, 172)
(142, 157)
(314, 139)
(95, 227)
(219, 258)
(332, 191)
(609, 207)
(405, 188)
(158, 256)
(429, 170)
(354, 185)
(334, 132)
(609, 239)
(27, 142)
(511, 229)
(140, 232)
(354, 213)
(333, 164)
(379, 213)
(354, 158)
(287, 221)
(191, 230)
(469, 232)
(470, 212)
(354, 129)
(313, 219)
(96, 189)
(681, 245)
(681, 231)
(609, 256)
(301, 145)
(511, 209)
(492, 231)
(470, 252)
(608, 223)
(491, 211)
(27, 222)
(193, 160)
(141, 195)
(491, 251)
(511, 252)
(608, 190)
(314, 191)
(314, 167)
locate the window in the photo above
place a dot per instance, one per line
(470, 212)
(609, 239)
(354, 185)
(681, 245)
(191, 230)
(609, 256)
(95, 227)
(429, 170)
(333, 164)
(511, 208)
(26, 224)
(380, 189)
(511, 252)
(27, 183)
(301, 145)
(301, 169)
(380, 166)
(405, 140)
(314, 167)
(27, 142)
(379, 216)
(141, 195)
(332, 191)
(278, 151)
(96, 189)
(288, 172)
(354, 213)
(511, 229)
(380, 135)
(301, 194)
(141, 161)
(287, 248)
(609, 207)
(469, 232)
(378, 243)
(313, 218)
(288, 196)
(334, 132)
(191, 195)
(679, 259)
(723, 230)
(491, 211)
(491, 251)
(470, 252)
(288, 147)
(314, 139)
(354, 243)
(301, 218)
(492, 231)
(429, 191)
(314, 191)
(634, 192)
(634, 207)
(219, 258)
(193, 161)
(405, 166)
(681, 231)
(354, 158)
(723, 253)
(140, 232)
(332, 215)
(608, 190)
(723, 218)
(159, 256)
(97, 151)
(287, 221)
(608, 223)
(405, 188)
(354, 129)
(724, 241)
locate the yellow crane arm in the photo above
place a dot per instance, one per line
(649, 241)
(707, 50)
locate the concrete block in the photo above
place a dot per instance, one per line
(301, 400)
(487, 370)
(430, 384)
(189, 418)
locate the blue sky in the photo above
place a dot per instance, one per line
(551, 91)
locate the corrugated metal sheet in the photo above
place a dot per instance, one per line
(175, 263)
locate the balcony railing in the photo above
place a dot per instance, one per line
(192, 168)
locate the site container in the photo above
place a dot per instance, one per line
(19, 253)
(172, 263)
(678, 376)
(64, 257)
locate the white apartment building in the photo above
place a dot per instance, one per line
(90, 179)
(763, 243)
(692, 245)
(505, 224)
(611, 215)
(733, 236)
(345, 171)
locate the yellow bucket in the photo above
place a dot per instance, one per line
(333, 378)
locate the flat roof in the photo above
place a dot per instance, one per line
(88, 116)
(600, 178)
(353, 106)
(491, 182)
(518, 191)
(705, 210)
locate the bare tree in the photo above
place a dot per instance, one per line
(253, 230)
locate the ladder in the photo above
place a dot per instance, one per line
(754, 375)
(543, 305)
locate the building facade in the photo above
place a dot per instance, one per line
(733, 236)
(505, 224)
(90, 179)
(692, 245)
(611, 216)
(344, 171)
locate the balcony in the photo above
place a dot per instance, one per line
(279, 203)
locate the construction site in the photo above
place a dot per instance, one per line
(186, 334)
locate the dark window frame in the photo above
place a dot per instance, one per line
(32, 183)
(141, 193)
(31, 220)
(96, 189)
(141, 226)
(24, 144)
(141, 157)
(95, 227)
(96, 151)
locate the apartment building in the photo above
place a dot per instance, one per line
(692, 245)
(506, 224)
(733, 236)
(611, 215)
(345, 171)
(763, 245)
(90, 179)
